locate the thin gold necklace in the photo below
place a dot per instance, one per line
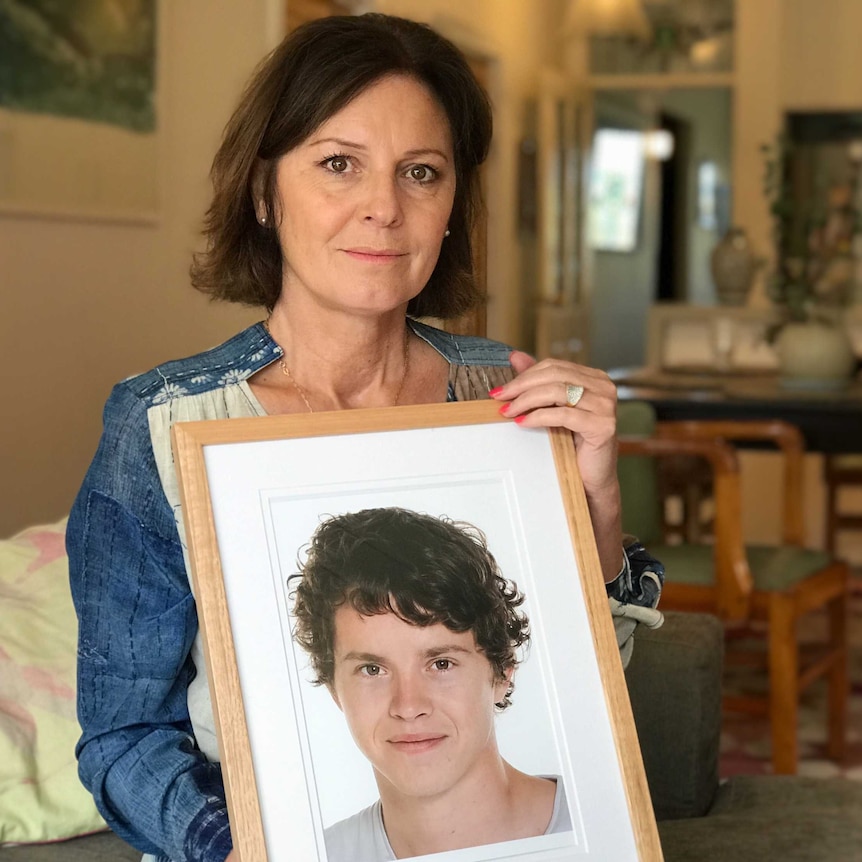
(285, 369)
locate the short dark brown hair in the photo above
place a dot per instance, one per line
(311, 76)
(425, 570)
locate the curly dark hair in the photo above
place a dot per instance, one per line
(426, 570)
(312, 75)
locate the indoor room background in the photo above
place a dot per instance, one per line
(94, 293)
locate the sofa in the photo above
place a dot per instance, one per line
(674, 682)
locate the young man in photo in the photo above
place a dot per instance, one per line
(412, 628)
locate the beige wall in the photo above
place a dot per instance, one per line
(756, 116)
(821, 64)
(85, 304)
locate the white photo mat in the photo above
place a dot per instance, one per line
(266, 498)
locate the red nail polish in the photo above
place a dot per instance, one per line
(520, 419)
(503, 409)
(495, 391)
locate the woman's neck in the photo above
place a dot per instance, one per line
(339, 360)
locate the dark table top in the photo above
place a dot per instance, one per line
(830, 418)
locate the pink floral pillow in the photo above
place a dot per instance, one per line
(41, 798)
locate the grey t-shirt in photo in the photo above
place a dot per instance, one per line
(362, 837)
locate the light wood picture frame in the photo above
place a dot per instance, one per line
(252, 493)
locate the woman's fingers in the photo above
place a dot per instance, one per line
(584, 396)
(540, 395)
(555, 383)
(521, 361)
(531, 373)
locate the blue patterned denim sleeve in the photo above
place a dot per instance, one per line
(641, 578)
(137, 621)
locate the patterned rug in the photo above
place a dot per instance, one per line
(745, 746)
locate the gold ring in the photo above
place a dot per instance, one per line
(573, 394)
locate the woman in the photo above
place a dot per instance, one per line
(345, 189)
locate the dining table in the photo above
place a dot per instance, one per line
(828, 414)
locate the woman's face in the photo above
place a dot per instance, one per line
(363, 203)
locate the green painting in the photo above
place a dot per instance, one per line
(89, 59)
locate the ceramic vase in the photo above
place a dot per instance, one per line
(814, 355)
(733, 265)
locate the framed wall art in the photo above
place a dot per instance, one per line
(79, 115)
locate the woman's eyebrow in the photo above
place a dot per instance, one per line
(341, 142)
(353, 145)
(428, 151)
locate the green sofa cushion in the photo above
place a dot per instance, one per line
(674, 683)
(772, 818)
(771, 568)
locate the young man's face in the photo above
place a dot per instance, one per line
(419, 701)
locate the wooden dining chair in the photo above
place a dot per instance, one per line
(840, 472)
(746, 586)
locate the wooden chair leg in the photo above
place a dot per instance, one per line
(783, 683)
(831, 513)
(692, 497)
(839, 680)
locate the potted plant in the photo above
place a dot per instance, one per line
(814, 273)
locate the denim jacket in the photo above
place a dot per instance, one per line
(148, 751)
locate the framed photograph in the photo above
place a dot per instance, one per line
(255, 492)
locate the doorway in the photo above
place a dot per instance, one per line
(671, 283)
(668, 257)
